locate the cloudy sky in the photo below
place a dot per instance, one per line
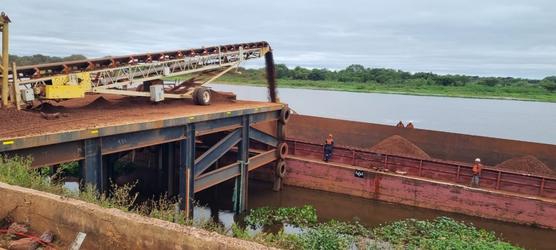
(479, 37)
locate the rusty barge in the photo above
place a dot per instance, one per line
(441, 182)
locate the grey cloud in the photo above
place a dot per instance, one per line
(479, 37)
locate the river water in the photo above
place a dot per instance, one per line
(518, 120)
(371, 213)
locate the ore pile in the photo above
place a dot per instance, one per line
(397, 145)
(528, 164)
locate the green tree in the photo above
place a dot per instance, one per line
(282, 71)
(489, 81)
(40, 59)
(300, 73)
(549, 83)
(445, 81)
(317, 75)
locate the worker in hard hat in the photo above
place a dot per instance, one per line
(476, 169)
(328, 147)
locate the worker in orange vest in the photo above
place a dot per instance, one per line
(328, 147)
(477, 168)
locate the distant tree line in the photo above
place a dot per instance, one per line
(353, 73)
(360, 74)
(39, 59)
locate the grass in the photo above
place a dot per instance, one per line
(17, 171)
(523, 92)
(441, 233)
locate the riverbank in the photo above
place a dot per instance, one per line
(520, 93)
(120, 205)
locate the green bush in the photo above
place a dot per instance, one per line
(17, 171)
(441, 233)
(325, 237)
(295, 216)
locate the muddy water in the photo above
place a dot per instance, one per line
(368, 212)
(518, 120)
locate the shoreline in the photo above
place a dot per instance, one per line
(455, 95)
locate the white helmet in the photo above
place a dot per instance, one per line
(477, 160)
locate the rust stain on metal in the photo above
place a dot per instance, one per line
(439, 145)
(422, 192)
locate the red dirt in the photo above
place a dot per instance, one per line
(397, 145)
(95, 111)
(49, 108)
(528, 164)
(100, 102)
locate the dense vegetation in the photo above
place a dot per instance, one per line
(360, 79)
(441, 233)
(39, 59)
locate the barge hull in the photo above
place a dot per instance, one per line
(418, 192)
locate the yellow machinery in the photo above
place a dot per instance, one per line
(68, 86)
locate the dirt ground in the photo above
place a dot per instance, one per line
(528, 164)
(397, 145)
(103, 110)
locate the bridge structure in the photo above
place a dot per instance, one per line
(179, 138)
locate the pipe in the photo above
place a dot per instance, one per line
(271, 77)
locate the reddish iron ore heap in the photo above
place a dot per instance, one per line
(397, 145)
(528, 164)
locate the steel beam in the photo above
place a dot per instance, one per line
(233, 170)
(263, 137)
(218, 176)
(205, 124)
(243, 158)
(107, 171)
(262, 159)
(141, 139)
(187, 163)
(169, 162)
(216, 151)
(92, 163)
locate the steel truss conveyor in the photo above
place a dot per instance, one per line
(135, 75)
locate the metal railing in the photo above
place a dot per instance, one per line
(440, 170)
